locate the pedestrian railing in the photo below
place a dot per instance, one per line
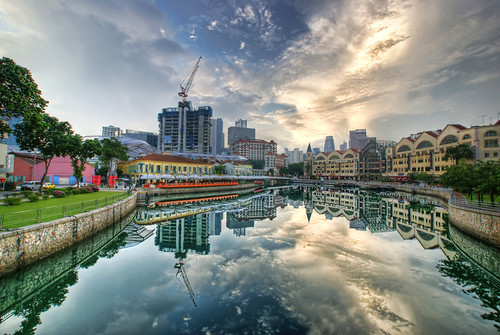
(26, 218)
(460, 201)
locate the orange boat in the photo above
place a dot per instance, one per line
(191, 184)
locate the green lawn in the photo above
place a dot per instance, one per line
(28, 213)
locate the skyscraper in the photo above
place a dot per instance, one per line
(239, 133)
(216, 136)
(343, 146)
(329, 144)
(358, 139)
(240, 123)
(185, 133)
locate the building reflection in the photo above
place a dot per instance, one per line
(411, 217)
(261, 208)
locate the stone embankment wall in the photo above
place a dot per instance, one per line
(38, 278)
(481, 224)
(21, 247)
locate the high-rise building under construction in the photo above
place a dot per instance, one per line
(184, 128)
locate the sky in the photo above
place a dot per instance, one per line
(298, 71)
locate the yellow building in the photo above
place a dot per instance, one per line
(160, 166)
(425, 152)
(337, 164)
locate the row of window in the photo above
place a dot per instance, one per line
(174, 169)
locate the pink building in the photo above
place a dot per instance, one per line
(29, 167)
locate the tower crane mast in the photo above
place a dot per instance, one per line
(185, 87)
(185, 281)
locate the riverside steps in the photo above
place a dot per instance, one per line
(480, 220)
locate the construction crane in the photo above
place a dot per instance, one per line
(185, 88)
(185, 281)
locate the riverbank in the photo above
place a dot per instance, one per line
(27, 245)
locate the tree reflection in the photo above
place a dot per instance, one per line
(474, 281)
(54, 295)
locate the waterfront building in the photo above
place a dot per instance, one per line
(425, 151)
(358, 139)
(160, 166)
(184, 128)
(111, 131)
(146, 136)
(338, 164)
(253, 149)
(216, 136)
(29, 166)
(484, 140)
(238, 168)
(275, 162)
(329, 144)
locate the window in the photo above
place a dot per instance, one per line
(424, 144)
(449, 139)
(490, 133)
(404, 148)
(495, 154)
(466, 137)
(491, 143)
(486, 154)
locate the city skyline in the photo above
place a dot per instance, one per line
(296, 72)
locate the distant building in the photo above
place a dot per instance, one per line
(343, 146)
(316, 151)
(146, 136)
(239, 133)
(295, 156)
(240, 123)
(358, 139)
(253, 149)
(111, 131)
(216, 136)
(275, 162)
(329, 144)
(185, 132)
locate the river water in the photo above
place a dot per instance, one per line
(287, 261)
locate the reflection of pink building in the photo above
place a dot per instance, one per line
(29, 167)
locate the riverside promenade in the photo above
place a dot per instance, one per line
(479, 219)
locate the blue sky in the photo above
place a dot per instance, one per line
(297, 70)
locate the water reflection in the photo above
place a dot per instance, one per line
(295, 261)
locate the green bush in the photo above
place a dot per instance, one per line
(45, 196)
(12, 201)
(10, 185)
(26, 193)
(33, 198)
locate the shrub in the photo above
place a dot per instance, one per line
(27, 193)
(86, 190)
(33, 198)
(45, 196)
(12, 201)
(10, 185)
(94, 188)
(59, 194)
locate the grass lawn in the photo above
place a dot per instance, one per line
(28, 213)
(486, 197)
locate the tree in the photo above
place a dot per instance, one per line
(19, 94)
(461, 151)
(296, 169)
(46, 135)
(219, 169)
(81, 152)
(283, 171)
(112, 150)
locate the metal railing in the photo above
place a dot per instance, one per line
(461, 201)
(26, 218)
